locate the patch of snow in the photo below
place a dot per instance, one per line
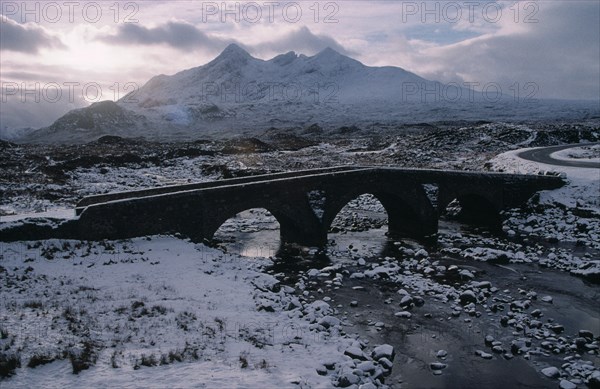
(55, 213)
(583, 153)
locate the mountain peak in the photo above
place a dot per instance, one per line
(233, 53)
(234, 49)
(285, 59)
(328, 52)
(329, 57)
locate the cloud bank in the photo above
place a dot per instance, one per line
(26, 38)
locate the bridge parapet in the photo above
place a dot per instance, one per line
(198, 210)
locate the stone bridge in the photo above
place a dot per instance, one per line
(305, 203)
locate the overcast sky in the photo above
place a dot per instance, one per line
(547, 48)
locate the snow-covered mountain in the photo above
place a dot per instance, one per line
(236, 93)
(236, 77)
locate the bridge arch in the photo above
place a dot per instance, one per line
(215, 223)
(409, 212)
(253, 233)
(360, 201)
(479, 207)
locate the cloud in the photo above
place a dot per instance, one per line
(184, 36)
(178, 35)
(301, 40)
(26, 38)
(554, 57)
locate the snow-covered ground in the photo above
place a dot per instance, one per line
(583, 153)
(163, 312)
(54, 213)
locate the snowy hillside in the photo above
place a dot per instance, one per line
(238, 94)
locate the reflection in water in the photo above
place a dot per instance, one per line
(251, 233)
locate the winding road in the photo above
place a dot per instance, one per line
(543, 155)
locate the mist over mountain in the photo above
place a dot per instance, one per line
(237, 94)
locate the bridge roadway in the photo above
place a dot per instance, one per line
(306, 202)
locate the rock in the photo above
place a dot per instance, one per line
(354, 303)
(421, 253)
(489, 339)
(483, 354)
(580, 342)
(403, 314)
(536, 313)
(466, 274)
(321, 370)
(348, 379)
(313, 272)
(586, 334)
(329, 321)
(519, 305)
(442, 354)
(368, 385)
(355, 353)
(319, 306)
(482, 285)
(386, 363)
(594, 380)
(266, 306)
(467, 297)
(358, 372)
(366, 367)
(406, 301)
(266, 283)
(547, 299)
(379, 374)
(535, 324)
(519, 346)
(565, 384)
(551, 372)
(293, 304)
(437, 366)
(383, 351)
(557, 328)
